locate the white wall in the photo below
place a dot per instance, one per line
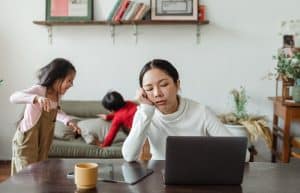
(236, 49)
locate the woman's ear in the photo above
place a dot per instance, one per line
(178, 84)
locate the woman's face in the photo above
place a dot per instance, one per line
(66, 83)
(161, 90)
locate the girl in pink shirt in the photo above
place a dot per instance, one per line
(33, 137)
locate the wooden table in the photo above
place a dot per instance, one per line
(50, 177)
(288, 111)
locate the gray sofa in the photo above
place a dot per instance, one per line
(66, 145)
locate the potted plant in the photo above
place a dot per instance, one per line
(240, 123)
(288, 69)
(293, 71)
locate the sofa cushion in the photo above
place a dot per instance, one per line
(77, 148)
(63, 132)
(97, 128)
(84, 109)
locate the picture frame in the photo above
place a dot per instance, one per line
(174, 10)
(69, 10)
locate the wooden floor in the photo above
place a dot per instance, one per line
(4, 170)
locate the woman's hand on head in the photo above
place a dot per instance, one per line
(141, 96)
(45, 103)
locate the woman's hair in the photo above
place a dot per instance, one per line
(162, 65)
(56, 69)
(113, 101)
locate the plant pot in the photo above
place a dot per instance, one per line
(238, 131)
(296, 91)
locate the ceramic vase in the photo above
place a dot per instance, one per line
(296, 91)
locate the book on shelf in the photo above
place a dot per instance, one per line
(117, 10)
(129, 7)
(141, 12)
(113, 10)
(128, 10)
(133, 11)
(119, 13)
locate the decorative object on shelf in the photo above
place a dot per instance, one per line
(240, 123)
(1, 81)
(69, 10)
(288, 72)
(202, 13)
(283, 88)
(291, 28)
(174, 10)
(296, 91)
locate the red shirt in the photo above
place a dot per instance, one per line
(121, 118)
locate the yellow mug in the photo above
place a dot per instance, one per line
(86, 175)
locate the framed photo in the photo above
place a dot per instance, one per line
(69, 10)
(174, 10)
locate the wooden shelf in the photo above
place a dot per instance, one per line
(143, 22)
(112, 25)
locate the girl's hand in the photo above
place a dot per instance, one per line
(45, 103)
(142, 97)
(102, 116)
(73, 125)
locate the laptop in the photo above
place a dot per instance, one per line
(205, 160)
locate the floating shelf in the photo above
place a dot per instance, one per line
(50, 24)
(142, 22)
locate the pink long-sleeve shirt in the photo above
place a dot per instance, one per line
(32, 111)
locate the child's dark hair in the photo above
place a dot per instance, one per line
(47, 75)
(113, 101)
(56, 69)
(163, 65)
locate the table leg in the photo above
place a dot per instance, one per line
(285, 156)
(253, 152)
(274, 142)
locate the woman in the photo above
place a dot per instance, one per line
(163, 113)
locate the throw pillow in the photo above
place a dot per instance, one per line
(97, 128)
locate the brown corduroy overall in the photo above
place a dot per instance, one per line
(33, 145)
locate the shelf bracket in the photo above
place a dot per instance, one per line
(198, 34)
(50, 34)
(113, 32)
(135, 32)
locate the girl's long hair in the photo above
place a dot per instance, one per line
(57, 69)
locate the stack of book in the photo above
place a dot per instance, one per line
(126, 10)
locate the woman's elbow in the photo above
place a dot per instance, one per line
(127, 155)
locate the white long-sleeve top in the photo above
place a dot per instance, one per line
(33, 111)
(191, 119)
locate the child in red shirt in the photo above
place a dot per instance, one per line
(122, 113)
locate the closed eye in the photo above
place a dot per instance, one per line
(148, 89)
